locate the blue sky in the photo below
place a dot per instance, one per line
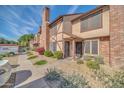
(18, 20)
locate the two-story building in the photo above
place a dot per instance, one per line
(97, 32)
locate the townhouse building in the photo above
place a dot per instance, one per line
(99, 32)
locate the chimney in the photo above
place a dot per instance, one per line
(45, 28)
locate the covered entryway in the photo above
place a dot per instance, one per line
(67, 49)
(78, 49)
(72, 45)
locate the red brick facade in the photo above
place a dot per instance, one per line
(117, 35)
(104, 49)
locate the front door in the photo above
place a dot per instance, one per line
(67, 49)
(79, 48)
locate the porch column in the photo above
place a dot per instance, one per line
(73, 49)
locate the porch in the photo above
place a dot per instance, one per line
(73, 46)
(77, 47)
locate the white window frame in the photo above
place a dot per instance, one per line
(91, 47)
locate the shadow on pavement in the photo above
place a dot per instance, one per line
(39, 83)
(14, 66)
(22, 75)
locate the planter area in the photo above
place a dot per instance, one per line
(95, 74)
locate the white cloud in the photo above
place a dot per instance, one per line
(73, 9)
(9, 22)
(28, 24)
(15, 31)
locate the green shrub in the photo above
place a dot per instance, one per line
(99, 59)
(53, 74)
(32, 57)
(1, 57)
(29, 53)
(40, 62)
(6, 54)
(93, 64)
(11, 53)
(53, 56)
(58, 54)
(117, 81)
(33, 49)
(74, 81)
(48, 53)
(101, 75)
(79, 61)
(56, 78)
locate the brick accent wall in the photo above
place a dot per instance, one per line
(117, 35)
(104, 49)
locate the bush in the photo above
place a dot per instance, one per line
(48, 53)
(93, 64)
(79, 61)
(6, 55)
(53, 74)
(32, 57)
(58, 54)
(57, 79)
(41, 62)
(40, 51)
(74, 81)
(11, 54)
(99, 59)
(117, 81)
(29, 53)
(1, 57)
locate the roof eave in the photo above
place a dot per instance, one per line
(90, 12)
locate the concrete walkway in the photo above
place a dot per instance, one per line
(27, 73)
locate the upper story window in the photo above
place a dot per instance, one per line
(91, 22)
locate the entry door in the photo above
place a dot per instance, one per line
(67, 49)
(79, 48)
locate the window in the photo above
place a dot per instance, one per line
(87, 47)
(91, 22)
(95, 47)
(91, 47)
(53, 46)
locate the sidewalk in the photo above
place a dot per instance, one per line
(27, 73)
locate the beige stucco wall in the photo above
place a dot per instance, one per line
(57, 37)
(104, 31)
